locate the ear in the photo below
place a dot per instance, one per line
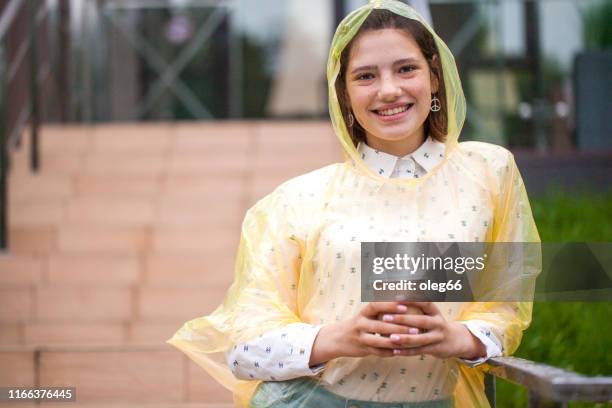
(433, 77)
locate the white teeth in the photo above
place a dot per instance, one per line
(394, 111)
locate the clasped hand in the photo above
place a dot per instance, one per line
(396, 334)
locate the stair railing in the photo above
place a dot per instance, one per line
(547, 386)
(20, 63)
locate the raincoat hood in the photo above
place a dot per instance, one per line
(346, 31)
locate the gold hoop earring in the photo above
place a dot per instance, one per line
(435, 104)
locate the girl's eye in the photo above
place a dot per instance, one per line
(365, 77)
(407, 68)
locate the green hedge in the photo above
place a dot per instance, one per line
(571, 335)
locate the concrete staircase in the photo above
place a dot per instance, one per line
(125, 233)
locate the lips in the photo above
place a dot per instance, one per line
(393, 112)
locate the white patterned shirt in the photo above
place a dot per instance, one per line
(284, 354)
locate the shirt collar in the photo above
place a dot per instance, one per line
(379, 162)
(428, 155)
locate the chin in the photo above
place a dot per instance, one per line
(393, 136)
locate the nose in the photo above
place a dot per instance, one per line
(388, 90)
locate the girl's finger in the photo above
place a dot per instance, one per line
(373, 309)
(429, 308)
(416, 340)
(424, 322)
(382, 327)
(376, 341)
(431, 349)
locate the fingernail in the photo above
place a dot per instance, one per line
(402, 308)
(388, 318)
(395, 337)
(412, 330)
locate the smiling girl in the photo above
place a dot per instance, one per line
(292, 331)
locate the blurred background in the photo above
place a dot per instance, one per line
(528, 67)
(134, 134)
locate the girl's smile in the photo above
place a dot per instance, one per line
(393, 112)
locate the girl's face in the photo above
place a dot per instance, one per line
(389, 85)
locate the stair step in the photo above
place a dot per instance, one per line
(158, 304)
(32, 240)
(138, 376)
(291, 136)
(67, 140)
(110, 211)
(10, 334)
(230, 186)
(16, 304)
(18, 270)
(139, 138)
(208, 211)
(152, 332)
(213, 138)
(112, 239)
(60, 333)
(119, 187)
(35, 186)
(99, 304)
(17, 367)
(68, 333)
(117, 270)
(54, 164)
(213, 165)
(136, 164)
(37, 212)
(107, 374)
(93, 269)
(171, 270)
(195, 240)
(83, 303)
(121, 212)
(44, 239)
(289, 163)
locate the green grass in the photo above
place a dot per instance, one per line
(571, 335)
(563, 218)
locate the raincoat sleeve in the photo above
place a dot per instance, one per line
(262, 297)
(513, 222)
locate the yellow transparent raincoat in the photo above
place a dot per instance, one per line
(299, 254)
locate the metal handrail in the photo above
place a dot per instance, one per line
(34, 111)
(6, 20)
(30, 111)
(548, 386)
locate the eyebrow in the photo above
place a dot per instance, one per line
(373, 67)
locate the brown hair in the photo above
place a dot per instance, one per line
(378, 19)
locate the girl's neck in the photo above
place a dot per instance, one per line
(399, 148)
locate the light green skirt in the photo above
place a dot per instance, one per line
(306, 393)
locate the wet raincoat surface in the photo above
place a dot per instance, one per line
(299, 254)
